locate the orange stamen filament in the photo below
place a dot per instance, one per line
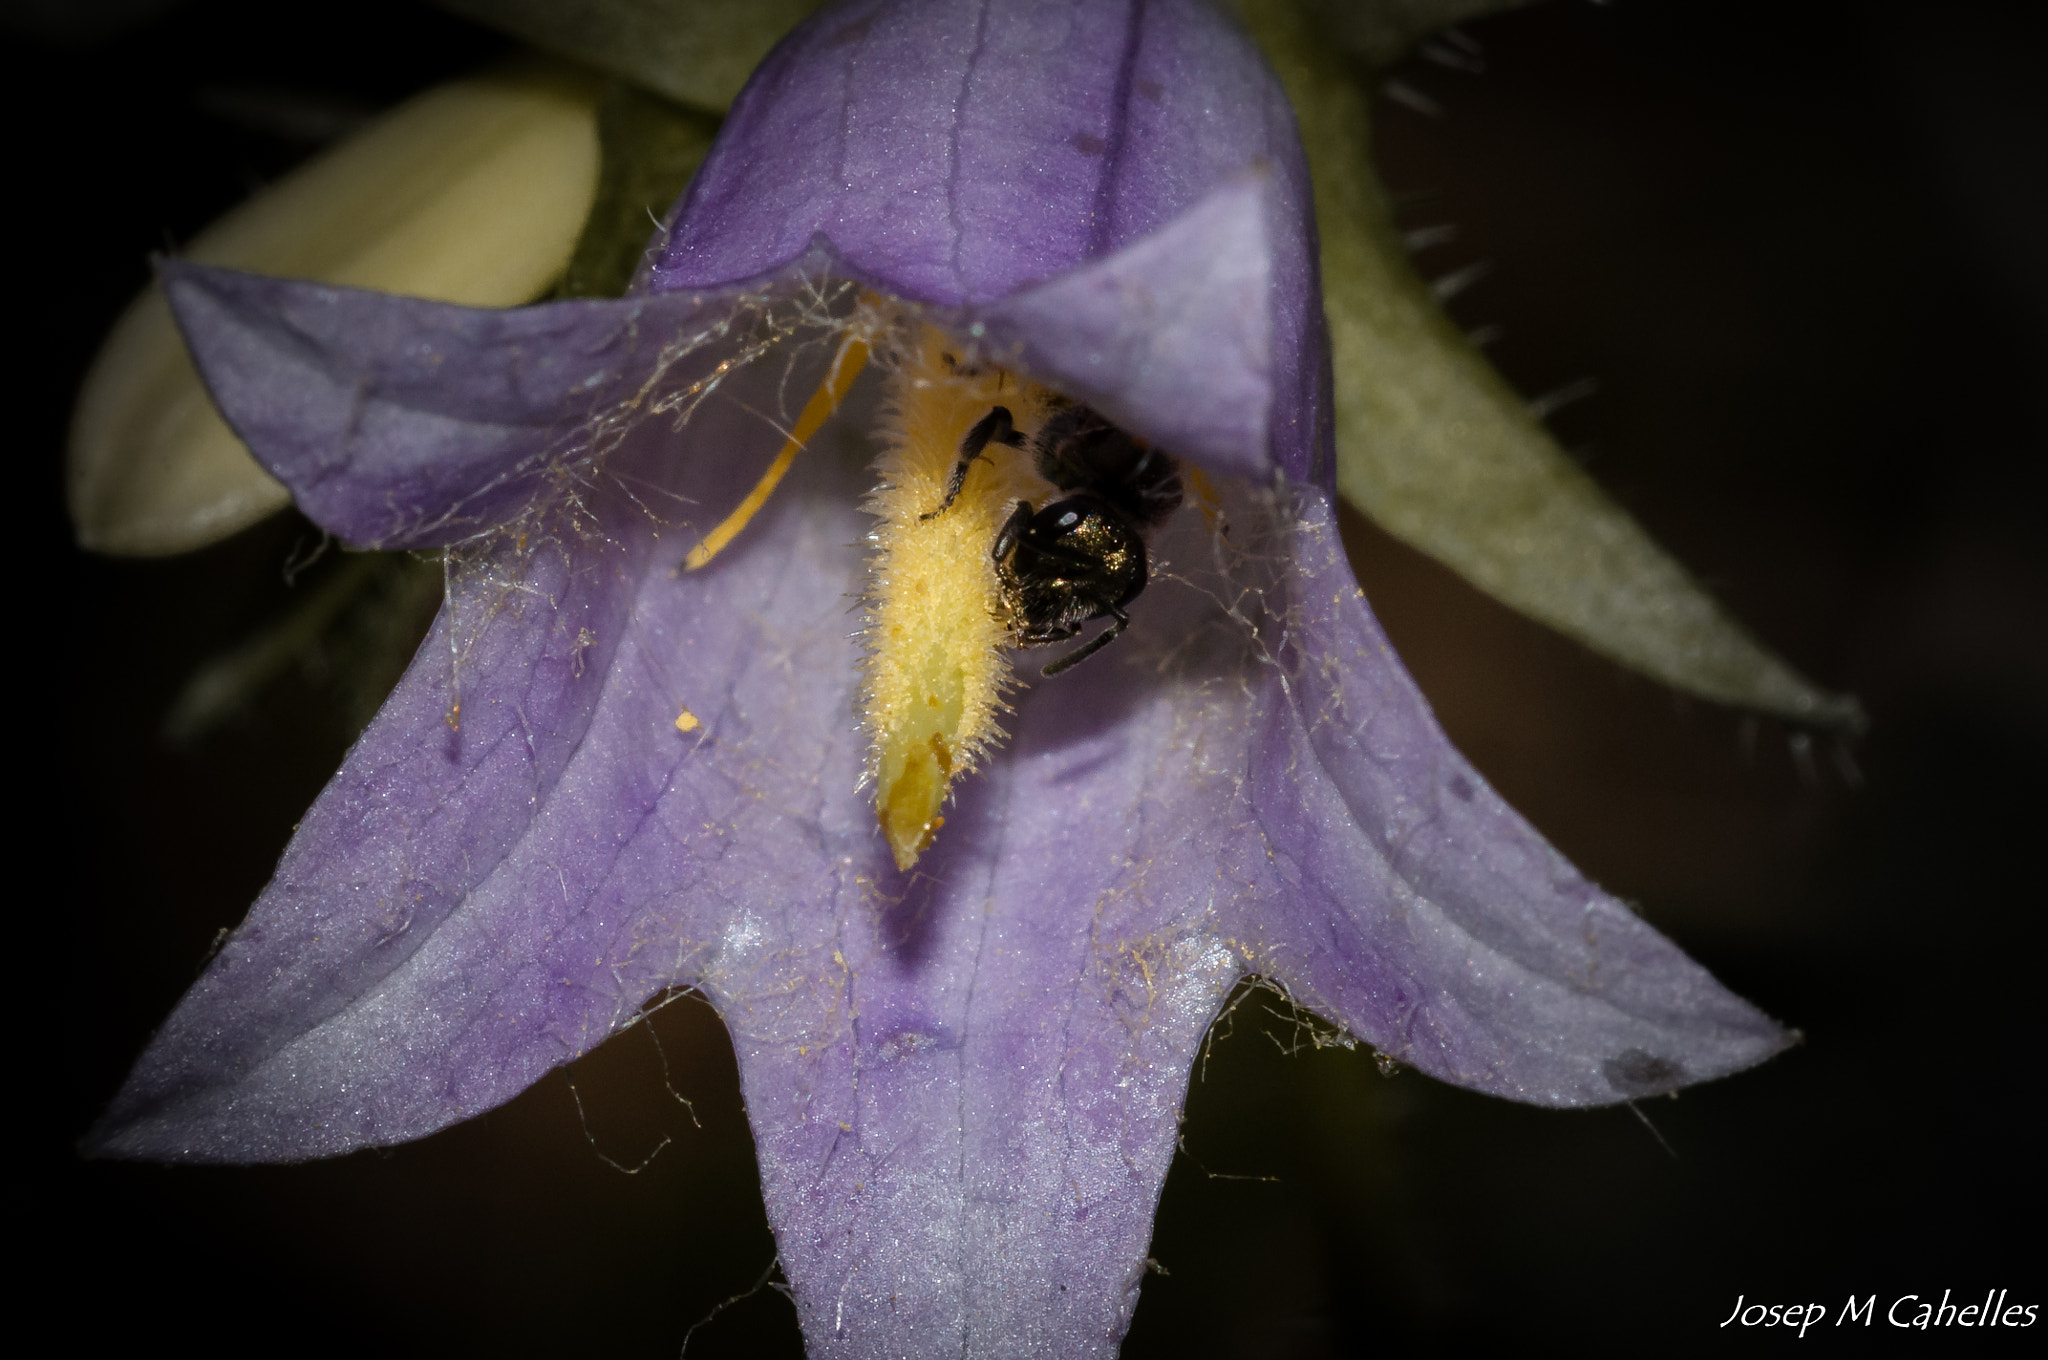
(846, 366)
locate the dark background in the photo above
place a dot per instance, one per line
(1803, 248)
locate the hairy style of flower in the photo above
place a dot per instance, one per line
(607, 774)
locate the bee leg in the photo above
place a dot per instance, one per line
(997, 427)
(1118, 621)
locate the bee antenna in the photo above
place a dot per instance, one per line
(1118, 620)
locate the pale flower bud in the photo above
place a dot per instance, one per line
(473, 192)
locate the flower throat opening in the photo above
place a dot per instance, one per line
(1006, 515)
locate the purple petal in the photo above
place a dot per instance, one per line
(439, 933)
(962, 1149)
(1422, 913)
(402, 423)
(965, 1088)
(1123, 333)
(956, 155)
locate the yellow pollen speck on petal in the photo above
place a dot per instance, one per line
(937, 629)
(686, 721)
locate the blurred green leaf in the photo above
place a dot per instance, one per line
(1437, 449)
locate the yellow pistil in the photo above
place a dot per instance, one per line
(937, 628)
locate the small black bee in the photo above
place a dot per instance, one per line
(1082, 557)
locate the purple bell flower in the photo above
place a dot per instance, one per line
(605, 776)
